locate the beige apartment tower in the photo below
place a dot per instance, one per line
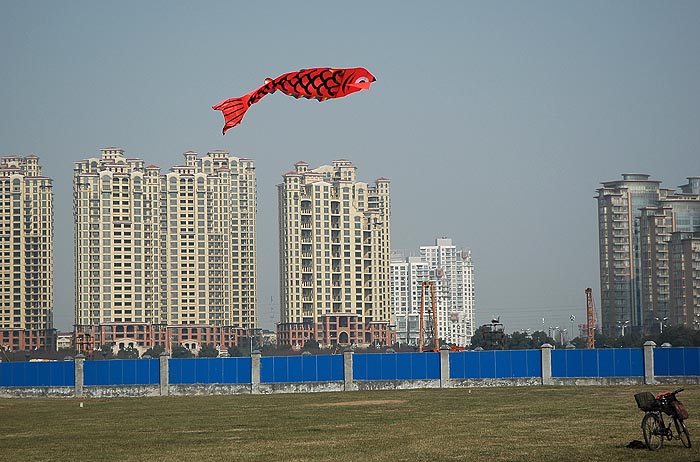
(26, 255)
(334, 257)
(163, 249)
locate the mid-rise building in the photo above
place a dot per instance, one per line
(451, 272)
(334, 257)
(158, 251)
(637, 219)
(26, 255)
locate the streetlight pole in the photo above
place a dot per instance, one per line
(572, 318)
(557, 329)
(661, 324)
(622, 326)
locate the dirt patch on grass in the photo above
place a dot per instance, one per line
(368, 402)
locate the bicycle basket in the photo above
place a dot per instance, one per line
(646, 401)
(679, 409)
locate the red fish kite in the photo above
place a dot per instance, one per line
(319, 83)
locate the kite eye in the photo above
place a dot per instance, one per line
(362, 80)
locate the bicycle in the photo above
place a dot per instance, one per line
(653, 426)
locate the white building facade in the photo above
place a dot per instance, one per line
(451, 272)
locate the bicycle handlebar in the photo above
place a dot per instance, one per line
(669, 394)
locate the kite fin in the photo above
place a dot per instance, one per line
(233, 110)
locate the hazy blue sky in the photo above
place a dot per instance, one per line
(494, 120)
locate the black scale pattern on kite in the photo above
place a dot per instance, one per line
(302, 83)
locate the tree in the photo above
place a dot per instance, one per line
(155, 351)
(579, 343)
(181, 352)
(539, 338)
(208, 350)
(678, 336)
(487, 339)
(62, 353)
(604, 341)
(105, 352)
(478, 338)
(234, 351)
(311, 345)
(269, 349)
(517, 341)
(128, 353)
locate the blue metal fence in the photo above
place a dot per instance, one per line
(122, 372)
(37, 374)
(396, 366)
(677, 361)
(305, 368)
(623, 362)
(209, 370)
(613, 362)
(495, 364)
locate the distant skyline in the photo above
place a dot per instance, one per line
(494, 121)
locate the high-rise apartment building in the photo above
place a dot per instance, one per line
(452, 273)
(619, 211)
(334, 257)
(684, 273)
(26, 255)
(637, 219)
(454, 289)
(159, 250)
(407, 276)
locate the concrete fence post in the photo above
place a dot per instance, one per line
(255, 372)
(347, 370)
(164, 374)
(444, 366)
(649, 362)
(79, 375)
(547, 364)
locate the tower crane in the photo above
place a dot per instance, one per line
(432, 336)
(590, 320)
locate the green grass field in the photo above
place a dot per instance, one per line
(534, 424)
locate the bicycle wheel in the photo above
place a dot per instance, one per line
(651, 426)
(683, 434)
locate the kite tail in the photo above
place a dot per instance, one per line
(234, 109)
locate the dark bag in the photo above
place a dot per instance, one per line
(636, 444)
(679, 409)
